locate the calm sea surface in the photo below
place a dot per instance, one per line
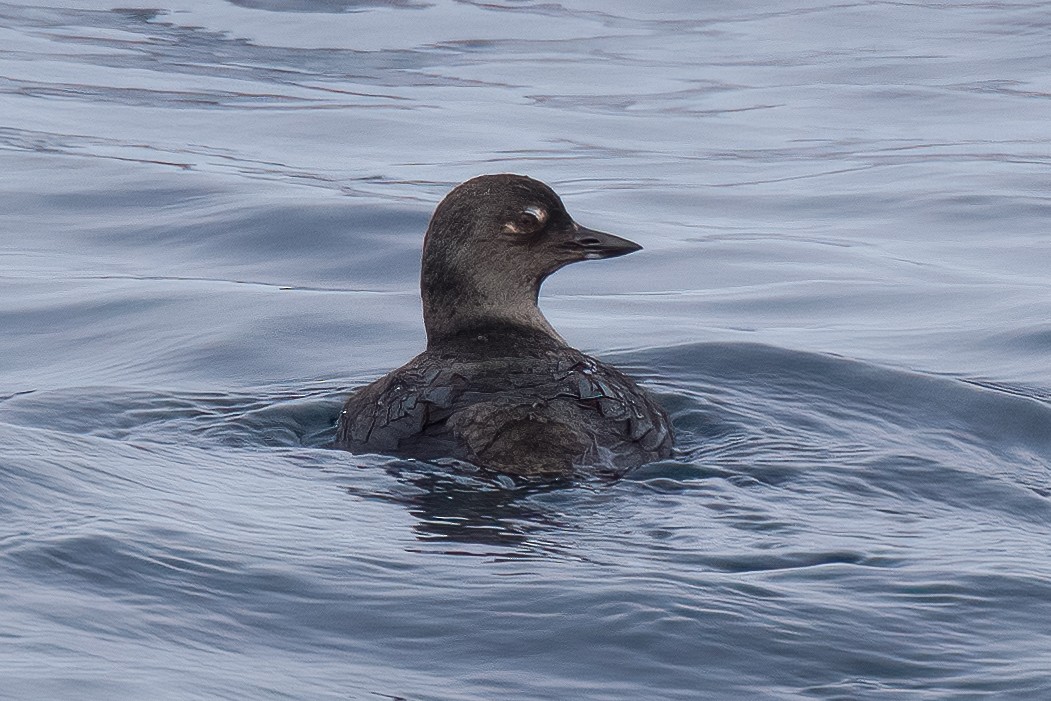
(210, 222)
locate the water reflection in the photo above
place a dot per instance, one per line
(457, 503)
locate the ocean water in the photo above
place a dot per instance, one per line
(210, 222)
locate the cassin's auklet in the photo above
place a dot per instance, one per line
(497, 386)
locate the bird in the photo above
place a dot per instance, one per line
(497, 386)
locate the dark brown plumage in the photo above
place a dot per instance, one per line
(497, 386)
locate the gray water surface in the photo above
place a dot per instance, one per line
(210, 222)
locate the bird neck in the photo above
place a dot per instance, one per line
(455, 305)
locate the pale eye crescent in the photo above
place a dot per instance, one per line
(532, 218)
(529, 220)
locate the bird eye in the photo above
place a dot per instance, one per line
(531, 219)
(528, 220)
